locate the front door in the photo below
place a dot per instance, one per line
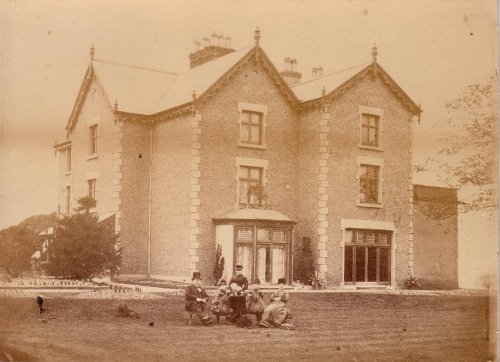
(367, 257)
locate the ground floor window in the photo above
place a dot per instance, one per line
(367, 256)
(263, 252)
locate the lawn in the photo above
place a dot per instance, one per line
(330, 327)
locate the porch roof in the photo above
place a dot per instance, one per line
(255, 214)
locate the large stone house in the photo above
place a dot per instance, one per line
(235, 153)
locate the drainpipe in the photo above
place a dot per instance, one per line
(150, 200)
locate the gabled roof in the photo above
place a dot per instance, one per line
(312, 89)
(135, 89)
(146, 91)
(338, 82)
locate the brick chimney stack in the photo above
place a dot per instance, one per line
(291, 74)
(209, 49)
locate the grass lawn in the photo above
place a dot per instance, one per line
(330, 327)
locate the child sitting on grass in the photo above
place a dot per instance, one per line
(255, 300)
(220, 305)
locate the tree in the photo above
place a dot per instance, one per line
(470, 158)
(17, 245)
(305, 266)
(82, 247)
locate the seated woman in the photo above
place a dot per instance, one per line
(220, 305)
(277, 314)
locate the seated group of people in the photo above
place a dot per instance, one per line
(238, 301)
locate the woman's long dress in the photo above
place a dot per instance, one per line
(276, 313)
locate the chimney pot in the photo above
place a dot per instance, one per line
(214, 41)
(222, 39)
(206, 42)
(228, 42)
(288, 64)
(319, 72)
(294, 65)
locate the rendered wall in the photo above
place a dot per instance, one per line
(436, 239)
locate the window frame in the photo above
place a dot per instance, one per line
(93, 141)
(250, 108)
(252, 163)
(379, 114)
(374, 162)
(255, 242)
(365, 245)
(68, 160)
(249, 180)
(92, 192)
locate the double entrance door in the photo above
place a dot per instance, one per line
(263, 252)
(367, 258)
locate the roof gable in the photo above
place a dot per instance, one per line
(311, 93)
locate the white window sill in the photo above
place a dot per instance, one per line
(91, 157)
(370, 147)
(250, 145)
(375, 206)
(93, 210)
(68, 173)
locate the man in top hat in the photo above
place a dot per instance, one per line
(239, 278)
(197, 299)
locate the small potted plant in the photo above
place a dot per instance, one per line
(412, 282)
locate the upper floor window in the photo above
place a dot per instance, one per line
(252, 125)
(369, 184)
(370, 181)
(92, 188)
(369, 130)
(370, 125)
(68, 159)
(93, 140)
(250, 183)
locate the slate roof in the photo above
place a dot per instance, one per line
(145, 91)
(313, 89)
(255, 214)
(148, 91)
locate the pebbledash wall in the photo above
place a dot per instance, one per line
(220, 152)
(330, 158)
(186, 166)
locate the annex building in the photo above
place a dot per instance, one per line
(234, 152)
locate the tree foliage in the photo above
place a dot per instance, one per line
(83, 248)
(305, 265)
(470, 157)
(17, 245)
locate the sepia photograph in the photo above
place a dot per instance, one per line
(247, 180)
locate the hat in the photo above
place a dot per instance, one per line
(222, 282)
(281, 281)
(238, 267)
(196, 275)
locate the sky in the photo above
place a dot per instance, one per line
(433, 49)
